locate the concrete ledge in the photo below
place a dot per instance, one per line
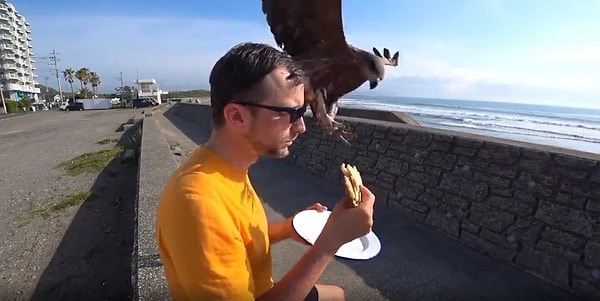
(389, 116)
(155, 166)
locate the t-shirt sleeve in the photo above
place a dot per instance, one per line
(207, 252)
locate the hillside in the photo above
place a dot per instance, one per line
(51, 91)
(189, 94)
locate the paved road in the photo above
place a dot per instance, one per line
(49, 250)
(415, 263)
(7, 116)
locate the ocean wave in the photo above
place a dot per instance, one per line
(472, 115)
(516, 130)
(516, 123)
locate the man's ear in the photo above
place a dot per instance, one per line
(235, 115)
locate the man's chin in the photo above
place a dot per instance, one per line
(279, 153)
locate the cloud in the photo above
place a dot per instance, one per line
(570, 54)
(531, 74)
(177, 52)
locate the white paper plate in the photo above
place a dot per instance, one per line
(309, 224)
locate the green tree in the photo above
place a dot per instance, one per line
(84, 93)
(83, 75)
(24, 103)
(69, 75)
(12, 106)
(95, 81)
(127, 92)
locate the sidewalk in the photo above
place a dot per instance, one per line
(415, 263)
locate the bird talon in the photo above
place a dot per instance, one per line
(342, 134)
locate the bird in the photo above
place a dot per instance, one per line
(312, 33)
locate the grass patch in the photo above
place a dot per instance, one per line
(99, 160)
(70, 201)
(94, 161)
(107, 141)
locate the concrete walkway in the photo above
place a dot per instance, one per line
(415, 263)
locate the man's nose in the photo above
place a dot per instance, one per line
(299, 126)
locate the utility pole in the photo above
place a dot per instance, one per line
(54, 58)
(137, 81)
(3, 103)
(122, 87)
(46, 88)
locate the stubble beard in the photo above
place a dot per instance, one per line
(272, 151)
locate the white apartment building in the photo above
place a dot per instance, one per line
(17, 70)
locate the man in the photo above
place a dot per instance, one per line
(212, 230)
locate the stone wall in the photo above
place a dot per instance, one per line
(531, 206)
(534, 207)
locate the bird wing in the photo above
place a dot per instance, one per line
(299, 26)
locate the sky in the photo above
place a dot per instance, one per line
(540, 52)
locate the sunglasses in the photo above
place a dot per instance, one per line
(295, 113)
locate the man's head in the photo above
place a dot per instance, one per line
(257, 95)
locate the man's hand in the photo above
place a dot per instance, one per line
(292, 233)
(345, 224)
(284, 229)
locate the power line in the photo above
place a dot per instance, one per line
(55, 59)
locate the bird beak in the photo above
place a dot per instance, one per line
(373, 84)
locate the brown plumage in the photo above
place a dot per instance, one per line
(311, 31)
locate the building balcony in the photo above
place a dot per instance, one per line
(10, 66)
(23, 88)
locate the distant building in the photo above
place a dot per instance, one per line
(17, 70)
(146, 89)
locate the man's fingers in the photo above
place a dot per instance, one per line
(368, 198)
(318, 207)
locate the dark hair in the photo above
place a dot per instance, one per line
(241, 69)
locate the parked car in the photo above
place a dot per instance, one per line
(143, 103)
(75, 106)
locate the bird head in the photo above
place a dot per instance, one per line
(373, 65)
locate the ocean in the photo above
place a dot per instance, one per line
(566, 127)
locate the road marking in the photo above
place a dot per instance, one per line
(12, 132)
(17, 116)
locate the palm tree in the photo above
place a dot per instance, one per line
(83, 75)
(69, 75)
(95, 81)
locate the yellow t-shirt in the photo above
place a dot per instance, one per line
(212, 232)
